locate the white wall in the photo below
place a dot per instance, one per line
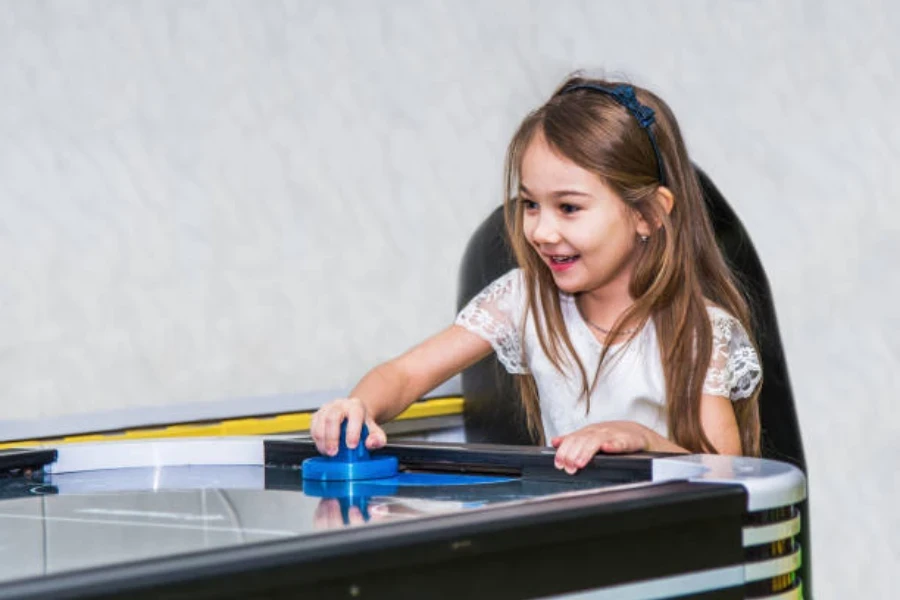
(207, 200)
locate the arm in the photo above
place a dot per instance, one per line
(390, 387)
(385, 391)
(575, 450)
(718, 422)
(734, 370)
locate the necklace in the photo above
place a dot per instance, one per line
(606, 331)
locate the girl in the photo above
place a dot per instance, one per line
(623, 322)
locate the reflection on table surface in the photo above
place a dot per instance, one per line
(56, 523)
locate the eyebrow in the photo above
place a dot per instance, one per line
(558, 193)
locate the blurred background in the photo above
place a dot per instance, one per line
(233, 199)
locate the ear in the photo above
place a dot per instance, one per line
(666, 201)
(666, 198)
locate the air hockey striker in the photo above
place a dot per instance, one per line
(255, 518)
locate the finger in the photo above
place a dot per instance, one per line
(317, 430)
(327, 514)
(565, 453)
(560, 456)
(575, 451)
(313, 426)
(332, 426)
(355, 516)
(587, 452)
(555, 442)
(378, 512)
(356, 413)
(377, 437)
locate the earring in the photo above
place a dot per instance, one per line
(644, 239)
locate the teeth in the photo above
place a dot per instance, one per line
(563, 259)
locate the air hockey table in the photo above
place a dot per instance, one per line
(234, 518)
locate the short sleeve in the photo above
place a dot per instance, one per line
(495, 315)
(734, 369)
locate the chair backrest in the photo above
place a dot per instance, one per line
(492, 410)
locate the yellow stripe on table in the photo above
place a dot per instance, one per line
(275, 424)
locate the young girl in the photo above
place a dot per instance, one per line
(622, 322)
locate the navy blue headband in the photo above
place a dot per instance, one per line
(624, 95)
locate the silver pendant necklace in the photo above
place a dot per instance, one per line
(603, 330)
(606, 331)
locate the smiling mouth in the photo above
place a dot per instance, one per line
(562, 260)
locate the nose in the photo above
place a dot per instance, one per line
(545, 230)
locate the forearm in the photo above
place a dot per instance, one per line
(384, 391)
(389, 388)
(658, 443)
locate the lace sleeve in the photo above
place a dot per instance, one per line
(734, 369)
(495, 314)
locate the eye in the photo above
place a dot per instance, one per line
(569, 208)
(528, 204)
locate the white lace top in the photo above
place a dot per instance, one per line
(631, 385)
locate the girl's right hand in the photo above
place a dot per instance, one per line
(326, 426)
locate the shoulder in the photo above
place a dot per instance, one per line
(501, 296)
(494, 315)
(511, 281)
(716, 312)
(735, 369)
(725, 324)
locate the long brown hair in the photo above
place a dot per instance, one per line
(677, 272)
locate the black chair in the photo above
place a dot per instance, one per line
(492, 409)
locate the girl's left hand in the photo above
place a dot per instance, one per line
(575, 450)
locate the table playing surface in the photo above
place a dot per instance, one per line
(60, 522)
(236, 518)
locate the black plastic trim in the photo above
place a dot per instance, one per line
(17, 459)
(532, 461)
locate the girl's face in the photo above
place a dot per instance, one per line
(582, 230)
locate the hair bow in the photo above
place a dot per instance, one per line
(624, 95)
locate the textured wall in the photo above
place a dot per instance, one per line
(205, 200)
